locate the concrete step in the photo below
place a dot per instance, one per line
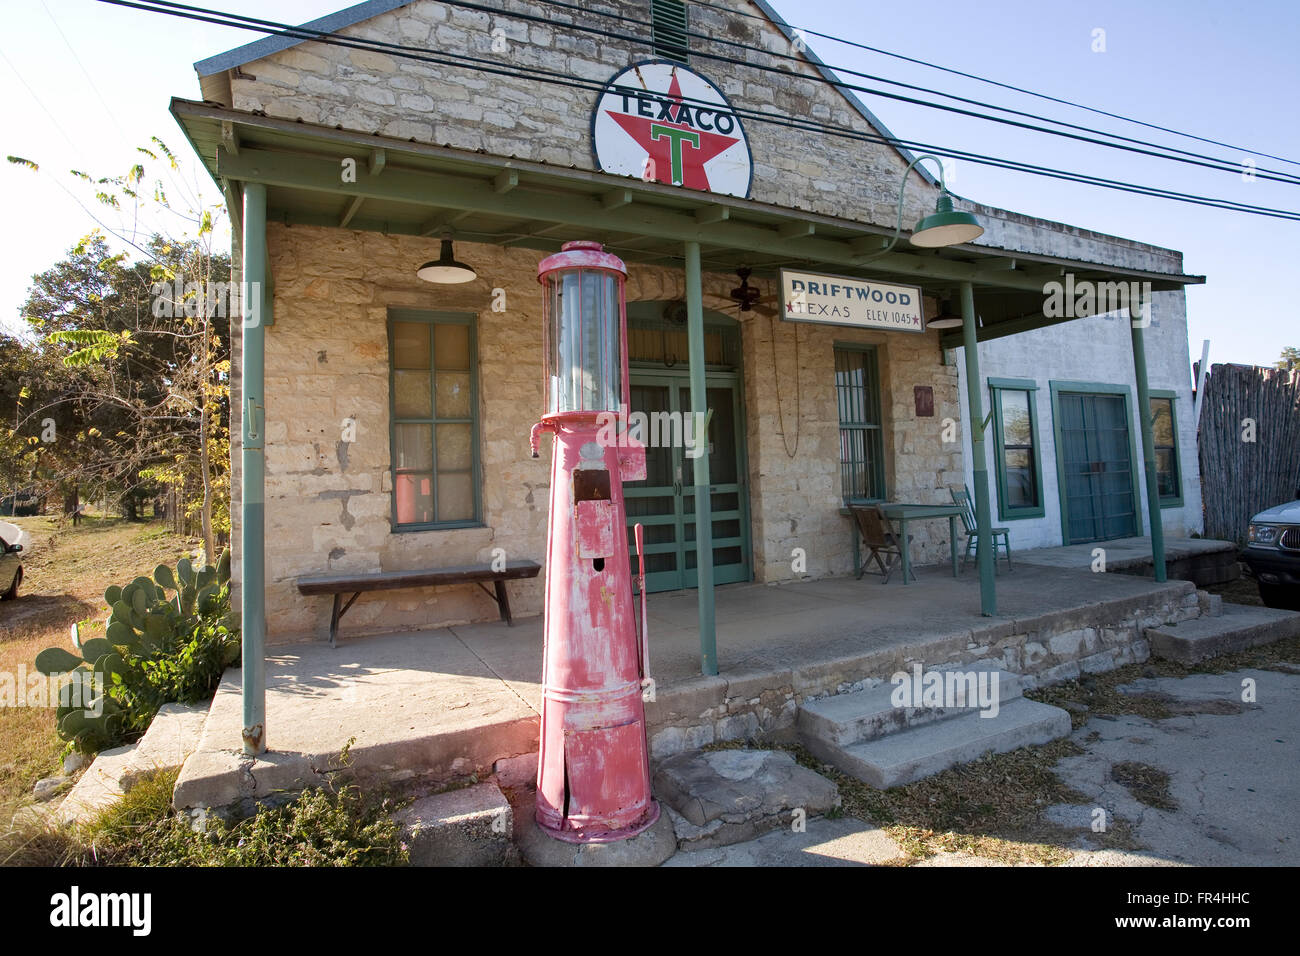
(719, 797)
(172, 736)
(864, 715)
(1238, 627)
(471, 826)
(927, 749)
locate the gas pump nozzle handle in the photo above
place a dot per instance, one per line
(535, 438)
(643, 638)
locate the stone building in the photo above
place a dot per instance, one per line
(395, 413)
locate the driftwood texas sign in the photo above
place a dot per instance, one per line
(841, 300)
(663, 123)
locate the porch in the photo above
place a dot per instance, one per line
(431, 706)
(282, 180)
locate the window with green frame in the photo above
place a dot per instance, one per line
(1016, 449)
(857, 392)
(433, 403)
(1164, 428)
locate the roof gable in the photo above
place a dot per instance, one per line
(258, 49)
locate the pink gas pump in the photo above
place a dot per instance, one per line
(593, 776)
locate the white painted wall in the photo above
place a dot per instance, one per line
(1095, 349)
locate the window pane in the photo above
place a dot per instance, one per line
(455, 497)
(454, 447)
(434, 464)
(1022, 491)
(451, 347)
(1015, 418)
(410, 345)
(414, 495)
(1162, 425)
(857, 391)
(411, 394)
(1167, 473)
(453, 395)
(413, 447)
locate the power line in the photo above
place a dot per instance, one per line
(1214, 162)
(39, 102)
(564, 79)
(181, 187)
(89, 80)
(1005, 86)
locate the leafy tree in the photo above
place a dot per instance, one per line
(128, 359)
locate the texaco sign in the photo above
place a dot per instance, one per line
(663, 123)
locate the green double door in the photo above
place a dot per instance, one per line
(1100, 490)
(665, 502)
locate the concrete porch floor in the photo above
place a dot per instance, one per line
(450, 702)
(1201, 560)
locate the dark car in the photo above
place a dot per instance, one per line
(11, 565)
(1273, 554)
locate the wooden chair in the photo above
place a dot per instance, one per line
(971, 527)
(879, 537)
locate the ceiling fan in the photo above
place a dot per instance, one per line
(745, 295)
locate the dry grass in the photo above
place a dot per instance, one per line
(990, 808)
(1148, 784)
(1097, 693)
(64, 577)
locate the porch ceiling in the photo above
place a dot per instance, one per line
(408, 188)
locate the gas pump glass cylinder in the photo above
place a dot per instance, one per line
(584, 334)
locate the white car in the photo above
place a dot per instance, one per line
(13, 540)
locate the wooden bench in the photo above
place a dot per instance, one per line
(357, 584)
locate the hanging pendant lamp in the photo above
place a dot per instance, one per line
(445, 270)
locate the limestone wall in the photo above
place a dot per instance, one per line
(515, 115)
(794, 441)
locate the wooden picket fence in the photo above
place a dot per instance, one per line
(1249, 444)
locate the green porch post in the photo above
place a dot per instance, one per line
(703, 502)
(979, 463)
(1136, 325)
(253, 476)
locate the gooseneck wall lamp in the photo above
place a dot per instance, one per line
(943, 227)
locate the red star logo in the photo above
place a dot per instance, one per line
(666, 141)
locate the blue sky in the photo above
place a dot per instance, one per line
(103, 76)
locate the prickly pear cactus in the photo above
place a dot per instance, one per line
(114, 685)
